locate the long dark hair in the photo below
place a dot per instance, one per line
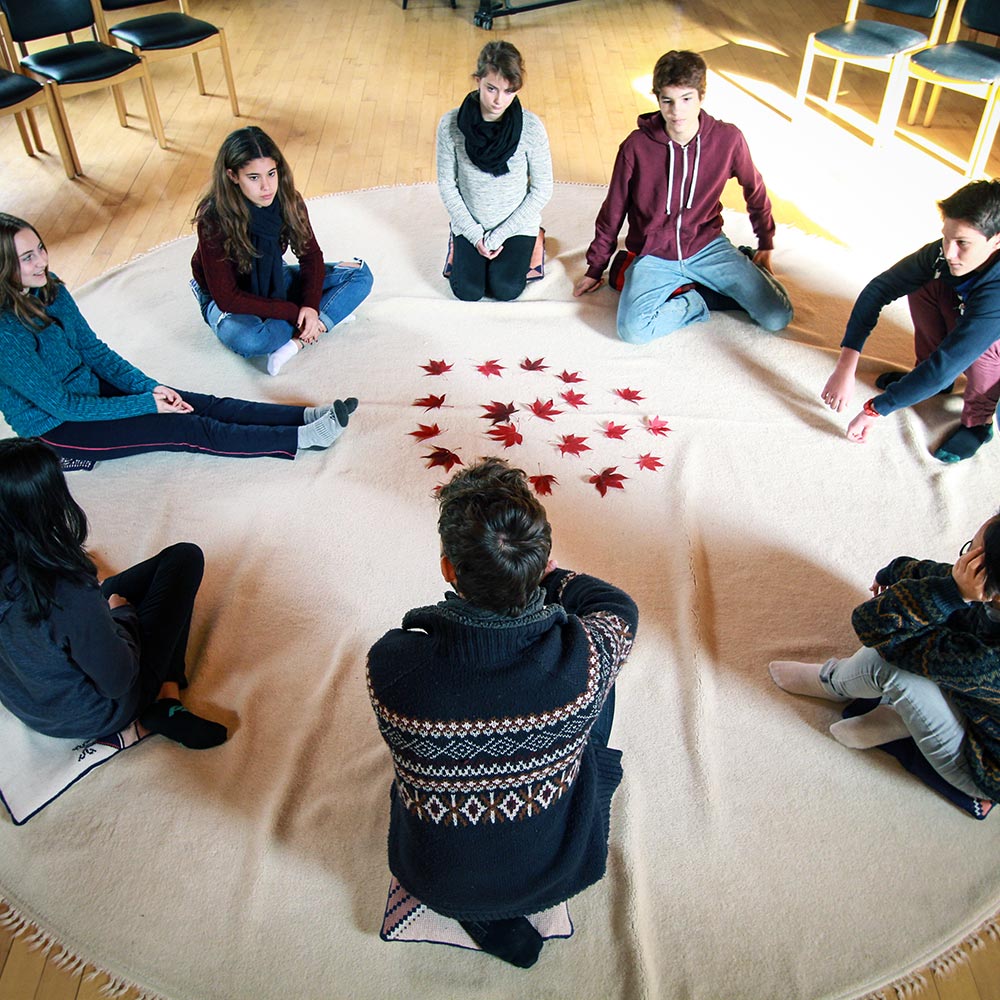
(225, 208)
(42, 528)
(29, 309)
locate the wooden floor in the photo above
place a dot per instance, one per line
(352, 90)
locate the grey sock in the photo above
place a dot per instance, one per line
(320, 433)
(313, 413)
(881, 725)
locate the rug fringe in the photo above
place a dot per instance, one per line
(36, 939)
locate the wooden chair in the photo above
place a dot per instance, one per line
(76, 67)
(967, 67)
(19, 96)
(876, 45)
(165, 35)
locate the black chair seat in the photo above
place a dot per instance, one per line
(870, 39)
(81, 62)
(969, 61)
(15, 88)
(163, 31)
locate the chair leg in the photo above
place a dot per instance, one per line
(25, 138)
(152, 108)
(892, 102)
(33, 125)
(838, 72)
(116, 93)
(64, 136)
(932, 106)
(987, 133)
(197, 73)
(227, 68)
(918, 96)
(807, 64)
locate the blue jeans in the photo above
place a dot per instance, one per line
(936, 727)
(647, 311)
(344, 289)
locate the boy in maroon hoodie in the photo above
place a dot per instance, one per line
(668, 180)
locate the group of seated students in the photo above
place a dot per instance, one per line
(496, 703)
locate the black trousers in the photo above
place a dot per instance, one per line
(504, 277)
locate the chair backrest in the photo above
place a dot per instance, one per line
(113, 5)
(915, 8)
(982, 15)
(31, 19)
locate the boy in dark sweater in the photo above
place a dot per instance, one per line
(953, 289)
(497, 705)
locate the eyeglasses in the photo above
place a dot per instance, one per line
(965, 548)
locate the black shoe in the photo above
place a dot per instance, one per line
(716, 301)
(889, 378)
(514, 941)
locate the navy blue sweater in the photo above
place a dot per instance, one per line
(75, 674)
(501, 800)
(977, 328)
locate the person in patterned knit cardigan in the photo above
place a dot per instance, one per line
(496, 705)
(931, 651)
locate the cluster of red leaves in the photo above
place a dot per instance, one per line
(546, 410)
(489, 368)
(542, 484)
(533, 366)
(437, 367)
(573, 444)
(444, 458)
(506, 433)
(629, 395)
(425, 431)
(609, 479)
(430, 402)
(497, 413)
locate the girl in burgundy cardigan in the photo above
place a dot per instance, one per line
(254, 302)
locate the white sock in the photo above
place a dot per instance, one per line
(320, 433)
(881, 725)
(276, 359)
(801, 678)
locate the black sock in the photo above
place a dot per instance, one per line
(514, 941)
(168, 717)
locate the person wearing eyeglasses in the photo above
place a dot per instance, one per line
(931, 653)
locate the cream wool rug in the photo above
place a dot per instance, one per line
(751, 855)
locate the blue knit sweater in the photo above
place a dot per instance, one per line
(922, 625)
(501, 800)
(51, 376)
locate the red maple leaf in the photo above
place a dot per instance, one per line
(657, 426)
(545, 410)
(437, 367)
(574, 399)
(507, 433)
(425, 431)
(430, 402)
(572, 444)
(533, 366)
(571, 376)
(497, 413)
(443, 457)
(615, 431)
(543, 484)
(489, 368)
(629, 395)
(649, 461)
(609, 479)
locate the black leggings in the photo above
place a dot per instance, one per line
(162, 591)
(504, 277)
